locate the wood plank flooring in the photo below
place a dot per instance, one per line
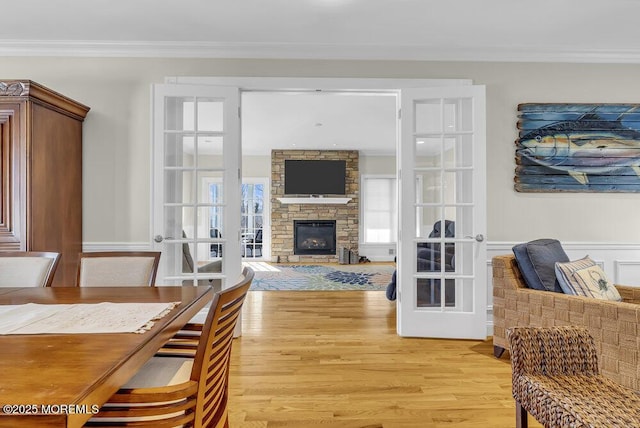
(333, 359)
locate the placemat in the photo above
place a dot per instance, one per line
(105, 317)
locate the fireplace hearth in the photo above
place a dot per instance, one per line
(314, 237)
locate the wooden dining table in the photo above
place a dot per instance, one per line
(60, 380)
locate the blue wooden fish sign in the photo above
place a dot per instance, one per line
(578, 148)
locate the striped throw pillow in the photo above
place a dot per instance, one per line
(585, 278)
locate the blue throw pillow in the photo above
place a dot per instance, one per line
(537, 260)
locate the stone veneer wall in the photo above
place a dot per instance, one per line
(282, 215)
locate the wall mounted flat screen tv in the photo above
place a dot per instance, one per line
(314, 177)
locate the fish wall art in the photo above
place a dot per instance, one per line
(578, 148)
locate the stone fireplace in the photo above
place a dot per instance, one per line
(283, 215)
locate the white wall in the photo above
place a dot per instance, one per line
(117, 129)
(256, 166)
(382, 165)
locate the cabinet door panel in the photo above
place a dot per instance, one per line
(12, 189)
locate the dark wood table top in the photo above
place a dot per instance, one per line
(80, 371)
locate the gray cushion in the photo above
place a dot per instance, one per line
(536, 261)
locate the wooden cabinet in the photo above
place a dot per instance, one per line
(41, 173)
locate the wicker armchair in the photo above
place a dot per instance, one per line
(556, 380)
(615, 326)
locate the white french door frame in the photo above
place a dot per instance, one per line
(231, 265)
(355, 85)
(459, 193)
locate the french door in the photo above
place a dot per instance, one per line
(196, 141)
(442, 251)
(441, 277)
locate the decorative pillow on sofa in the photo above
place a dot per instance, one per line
(536, 261)
(585, 278)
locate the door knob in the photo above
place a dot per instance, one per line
(479, 237)
(158, 238)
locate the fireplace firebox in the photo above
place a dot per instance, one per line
(314, 237)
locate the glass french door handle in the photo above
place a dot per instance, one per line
(479, 237)
(160, 238)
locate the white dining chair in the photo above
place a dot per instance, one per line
(27, 268)
(118, 268)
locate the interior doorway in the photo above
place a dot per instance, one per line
(322, 122)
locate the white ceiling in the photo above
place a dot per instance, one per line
(536, 30)
(323, 121)
(454, 30)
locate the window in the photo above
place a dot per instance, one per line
(254, 218)
(215, 219)
(379, 213)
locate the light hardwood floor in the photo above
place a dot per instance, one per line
(333, 359)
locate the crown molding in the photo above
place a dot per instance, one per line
(145, 49)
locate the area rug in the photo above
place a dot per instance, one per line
(320, 277)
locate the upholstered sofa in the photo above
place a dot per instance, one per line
(615, 326)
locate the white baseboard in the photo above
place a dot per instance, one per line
(378, 252)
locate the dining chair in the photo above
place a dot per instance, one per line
(27, 268)
(175, 390)
(118, 268)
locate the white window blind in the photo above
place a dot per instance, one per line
(380, 209)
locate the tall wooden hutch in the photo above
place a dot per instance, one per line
(41, 173)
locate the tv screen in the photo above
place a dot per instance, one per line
(314, 177)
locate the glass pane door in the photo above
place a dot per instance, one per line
(196, 142)
(441, 263)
